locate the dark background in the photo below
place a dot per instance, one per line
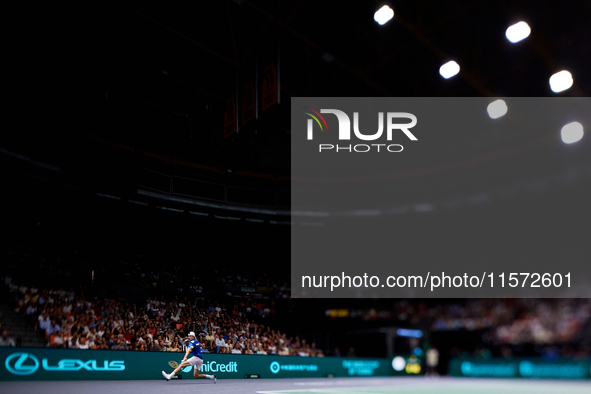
(128, 100)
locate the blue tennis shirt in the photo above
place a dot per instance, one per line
(195, 347)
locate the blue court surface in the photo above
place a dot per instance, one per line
(414, 385)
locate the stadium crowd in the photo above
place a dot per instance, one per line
(519, 321)
(68, 319)
(230, 321)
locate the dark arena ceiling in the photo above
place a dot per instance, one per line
(128, 99)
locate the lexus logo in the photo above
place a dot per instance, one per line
(22, 363)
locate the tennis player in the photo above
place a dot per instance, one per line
(194, 348)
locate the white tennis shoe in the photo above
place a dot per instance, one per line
(165, 376)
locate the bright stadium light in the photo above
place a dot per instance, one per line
(383, 15)
(572, 132)
(561, 81)
(398, 363)
(449, 69)
(496, 109)
(518, 32)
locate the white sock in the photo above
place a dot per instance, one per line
(209, 376)
(172, 374)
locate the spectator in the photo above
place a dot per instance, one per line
(174, 347)
(73, 341)
(261, 349)
(31, 311)
(219, 343)
(432, 361)
(82, 343)
(111, 342)
(53, 328)
(170, 335)
(149, 344)
(121, 344)
(43, 321)
(283, 351)
(5, 340)
(165, 342)
(209, 338)
(272, 349)
(101, 344)
(58, 340)
(236, 349)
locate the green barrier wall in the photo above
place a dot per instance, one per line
(58, 364)
(529, 368)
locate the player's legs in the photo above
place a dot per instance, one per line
(176, 370)
(181, 366)
(197, 364)
(197, 374)
(203, 376)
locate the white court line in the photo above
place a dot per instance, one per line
(336, 386)
(291, 391)
(326, 390)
